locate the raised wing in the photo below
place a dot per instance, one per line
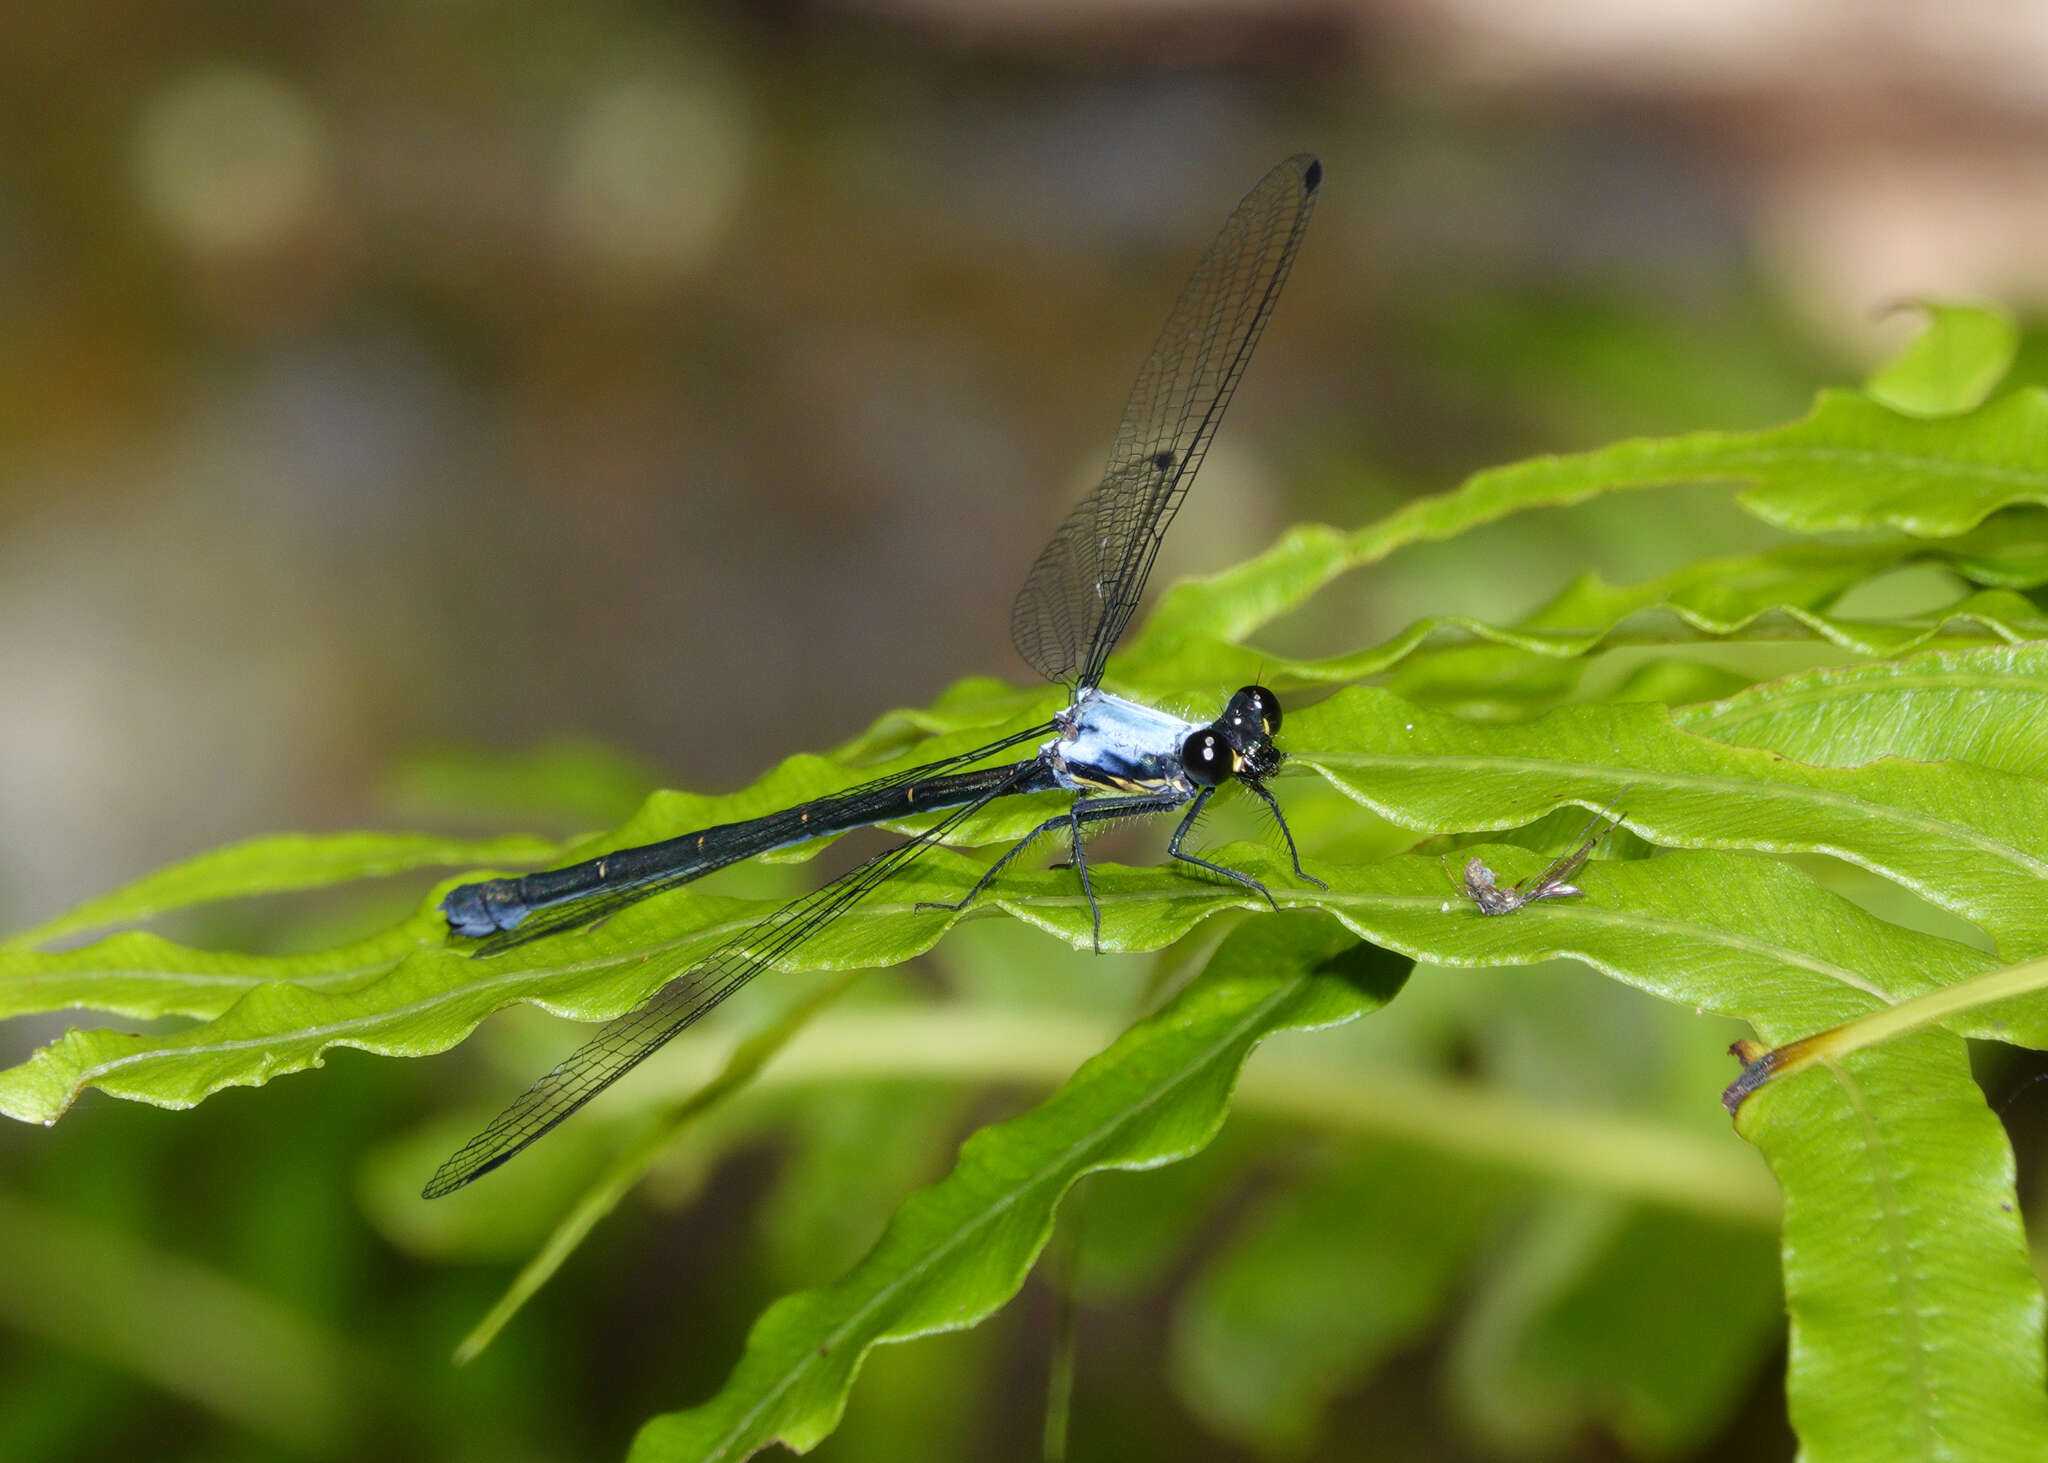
(1086, 585)
(624, 1043)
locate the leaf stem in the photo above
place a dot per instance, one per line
(1761, 1065)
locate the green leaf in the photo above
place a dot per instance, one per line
(1747, 937)
(1981, 704)
(275, 864)
(956, 1252)
(2016, 987)
(1322, 1285)
(1917, 1323)
(233, 1351)
(1850, 464)
(1952, 365)
(1965, 838)
(145, 976)
(433, 997)
(1780, 595)
(1606, 1330)
(603, 1194)
(2009, 551)
(849, 1157)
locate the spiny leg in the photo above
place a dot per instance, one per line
(1186, 825)
(989, 875)
(1078, 857)
(1099, 810)
(1259, 791)
(1082, 810)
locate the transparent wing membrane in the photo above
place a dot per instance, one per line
(1085, 587)
(622, 1044)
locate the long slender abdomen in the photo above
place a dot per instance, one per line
(495, 905)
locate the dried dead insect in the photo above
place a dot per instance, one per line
(1554, 882)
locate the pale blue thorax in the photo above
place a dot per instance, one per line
(1109, 743)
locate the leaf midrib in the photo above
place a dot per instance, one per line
(1747, 790)
(1336, 901)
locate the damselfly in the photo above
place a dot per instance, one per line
(1119, 758)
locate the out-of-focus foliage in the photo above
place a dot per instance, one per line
(1829, 840)
(1952, 367)
(959, 1249)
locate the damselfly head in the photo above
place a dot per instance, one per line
(1239, 743)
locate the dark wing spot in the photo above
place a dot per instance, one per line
(1163, 461)
(1313, 178)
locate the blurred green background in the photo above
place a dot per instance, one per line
(469, 415)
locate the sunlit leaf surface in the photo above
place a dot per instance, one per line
(1916, 1318)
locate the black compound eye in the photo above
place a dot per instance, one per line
(1207, 759)
(1254, 709)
